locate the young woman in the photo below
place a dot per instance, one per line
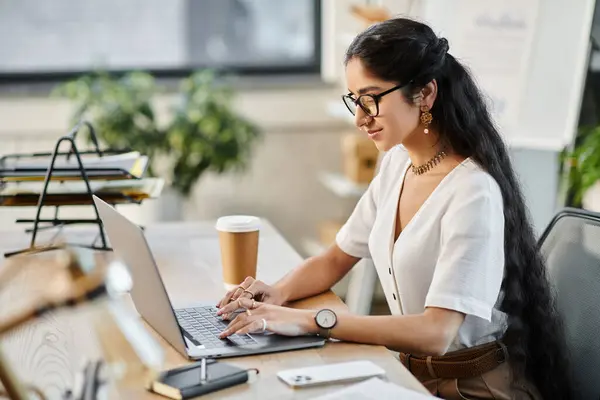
(446, 226)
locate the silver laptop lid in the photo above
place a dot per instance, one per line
(148, 292)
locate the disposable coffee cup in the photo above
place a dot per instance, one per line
(238, 239)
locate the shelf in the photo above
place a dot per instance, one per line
(342, 186)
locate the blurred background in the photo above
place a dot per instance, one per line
(238, 101)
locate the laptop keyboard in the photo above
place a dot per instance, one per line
(204, 326)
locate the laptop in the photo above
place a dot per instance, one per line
(193, 331)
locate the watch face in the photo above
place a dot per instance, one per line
(326, 319)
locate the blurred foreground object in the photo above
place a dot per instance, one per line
(84, 279)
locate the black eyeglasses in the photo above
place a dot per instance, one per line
(369, 103)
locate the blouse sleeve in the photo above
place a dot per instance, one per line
(470, 267)
(353, 237)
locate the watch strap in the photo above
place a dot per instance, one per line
(324, 333)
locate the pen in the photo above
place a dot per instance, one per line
(203, 370)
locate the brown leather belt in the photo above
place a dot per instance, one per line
(465, 363)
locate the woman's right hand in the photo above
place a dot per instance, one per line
(253, 289)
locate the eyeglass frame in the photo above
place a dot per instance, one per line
(376, 98)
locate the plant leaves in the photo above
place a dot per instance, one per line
(203, 134)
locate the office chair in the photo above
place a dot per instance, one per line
(571, 247)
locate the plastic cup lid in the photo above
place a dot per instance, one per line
(238, 223)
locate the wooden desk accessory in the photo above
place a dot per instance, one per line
(83, 279)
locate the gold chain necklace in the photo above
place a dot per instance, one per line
(421, 169)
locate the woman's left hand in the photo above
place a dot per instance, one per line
(260, 317)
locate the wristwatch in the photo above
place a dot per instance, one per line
(325, 320)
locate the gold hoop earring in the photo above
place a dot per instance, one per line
(426, 119)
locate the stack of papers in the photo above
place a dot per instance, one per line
(118, 166)
(75, 192)
(375, 389)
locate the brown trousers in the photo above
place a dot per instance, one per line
(496, 383)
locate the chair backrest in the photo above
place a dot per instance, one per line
(571, 248)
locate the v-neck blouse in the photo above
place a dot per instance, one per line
(450, 255)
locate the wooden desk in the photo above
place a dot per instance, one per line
(49, 352)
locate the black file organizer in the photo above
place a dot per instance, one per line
(82, 173)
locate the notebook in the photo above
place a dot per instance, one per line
(186, 382)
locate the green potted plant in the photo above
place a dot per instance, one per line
(203, 133)
(119, 108)
(206, 134)
(583, 163)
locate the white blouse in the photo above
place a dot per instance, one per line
(450, 255)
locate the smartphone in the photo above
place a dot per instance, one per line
(330, 373)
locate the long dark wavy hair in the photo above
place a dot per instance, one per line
(402, 51)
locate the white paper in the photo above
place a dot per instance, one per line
(495, 40)
(151, 187)
(89, 160)
(375, 389)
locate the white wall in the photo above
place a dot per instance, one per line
(340, 26)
